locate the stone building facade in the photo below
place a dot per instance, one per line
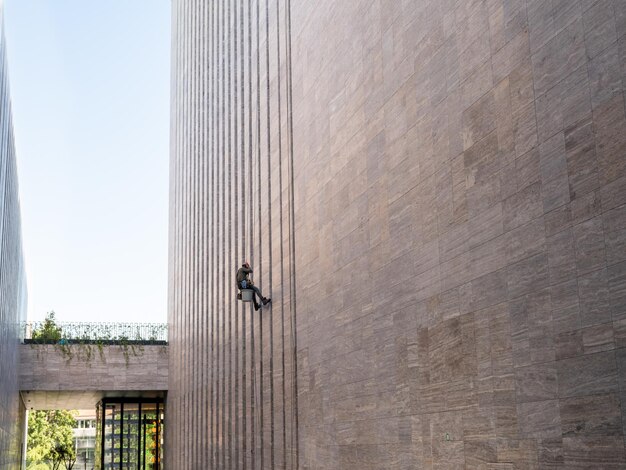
(12, 280)
(434, 194)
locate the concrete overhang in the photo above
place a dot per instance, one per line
(78, 376)
(75, 400)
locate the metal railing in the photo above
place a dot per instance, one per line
(105, 333)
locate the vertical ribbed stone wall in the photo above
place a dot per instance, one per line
(459, 221)
(12, 280)
(231, 401)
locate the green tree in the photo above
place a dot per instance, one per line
(50, 439)
(49, 331)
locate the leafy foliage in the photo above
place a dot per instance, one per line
(50, 439)
(49, 331)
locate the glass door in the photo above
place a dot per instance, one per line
(130, 435)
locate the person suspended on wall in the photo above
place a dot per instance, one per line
(244, 282)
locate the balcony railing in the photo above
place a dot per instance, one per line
(104, 333)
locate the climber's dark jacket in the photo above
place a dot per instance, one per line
(242, 275)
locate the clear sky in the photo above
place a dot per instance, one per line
(90, 91)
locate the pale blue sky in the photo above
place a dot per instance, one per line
(90, 90)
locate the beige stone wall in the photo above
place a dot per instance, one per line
(461, 233)
(455, 234)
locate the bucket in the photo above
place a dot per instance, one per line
(247, 295)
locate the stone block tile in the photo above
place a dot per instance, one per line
(527, 169)
(504, 121)
(507, 420)
(506, 21)
(479, 419)
(539, 419)
(540, 23)
(562, 264)
(605, 76)
(569, 344)
(542, 344)
(557, 220)
(529, 311)
(488, 257)
(620, 355)
(613, 194)
(524, 241)
(478, 120)
(566, 319)
(527, 275)
(617, 290)
(549, 112)
(479, 453)
(619, 333)
(598, 338)
(585, 207)
(523, 172)
(444, 306)
(536, 382)
(525, 129)
(621, 48)
(523, 453)
(363, 432)
(580, 152)
(500, 466)
(482, 159)
(619, 8)
(474, 54)
(455, 272)
(482, 195)
(550, 453)
(597, 415)
(564, 296)
(564, 105)
(426, 257)
(508, 180)
(514, 53)
(521, 89)
(590, 247)
(599, 27)
(575, 99)
(521, 350)
(587, 375)
(615, 234)
(522, 207)
(555, 193)
(593, 293)
(426, 285)
(554, 177)
(546, 19)
(445, 428)
(477, 84)
(565, 13)
(485, 225)
(582, 452)
(451, 354)
(553, 62)
(610, 122)
(453, 242)
(502, 362)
